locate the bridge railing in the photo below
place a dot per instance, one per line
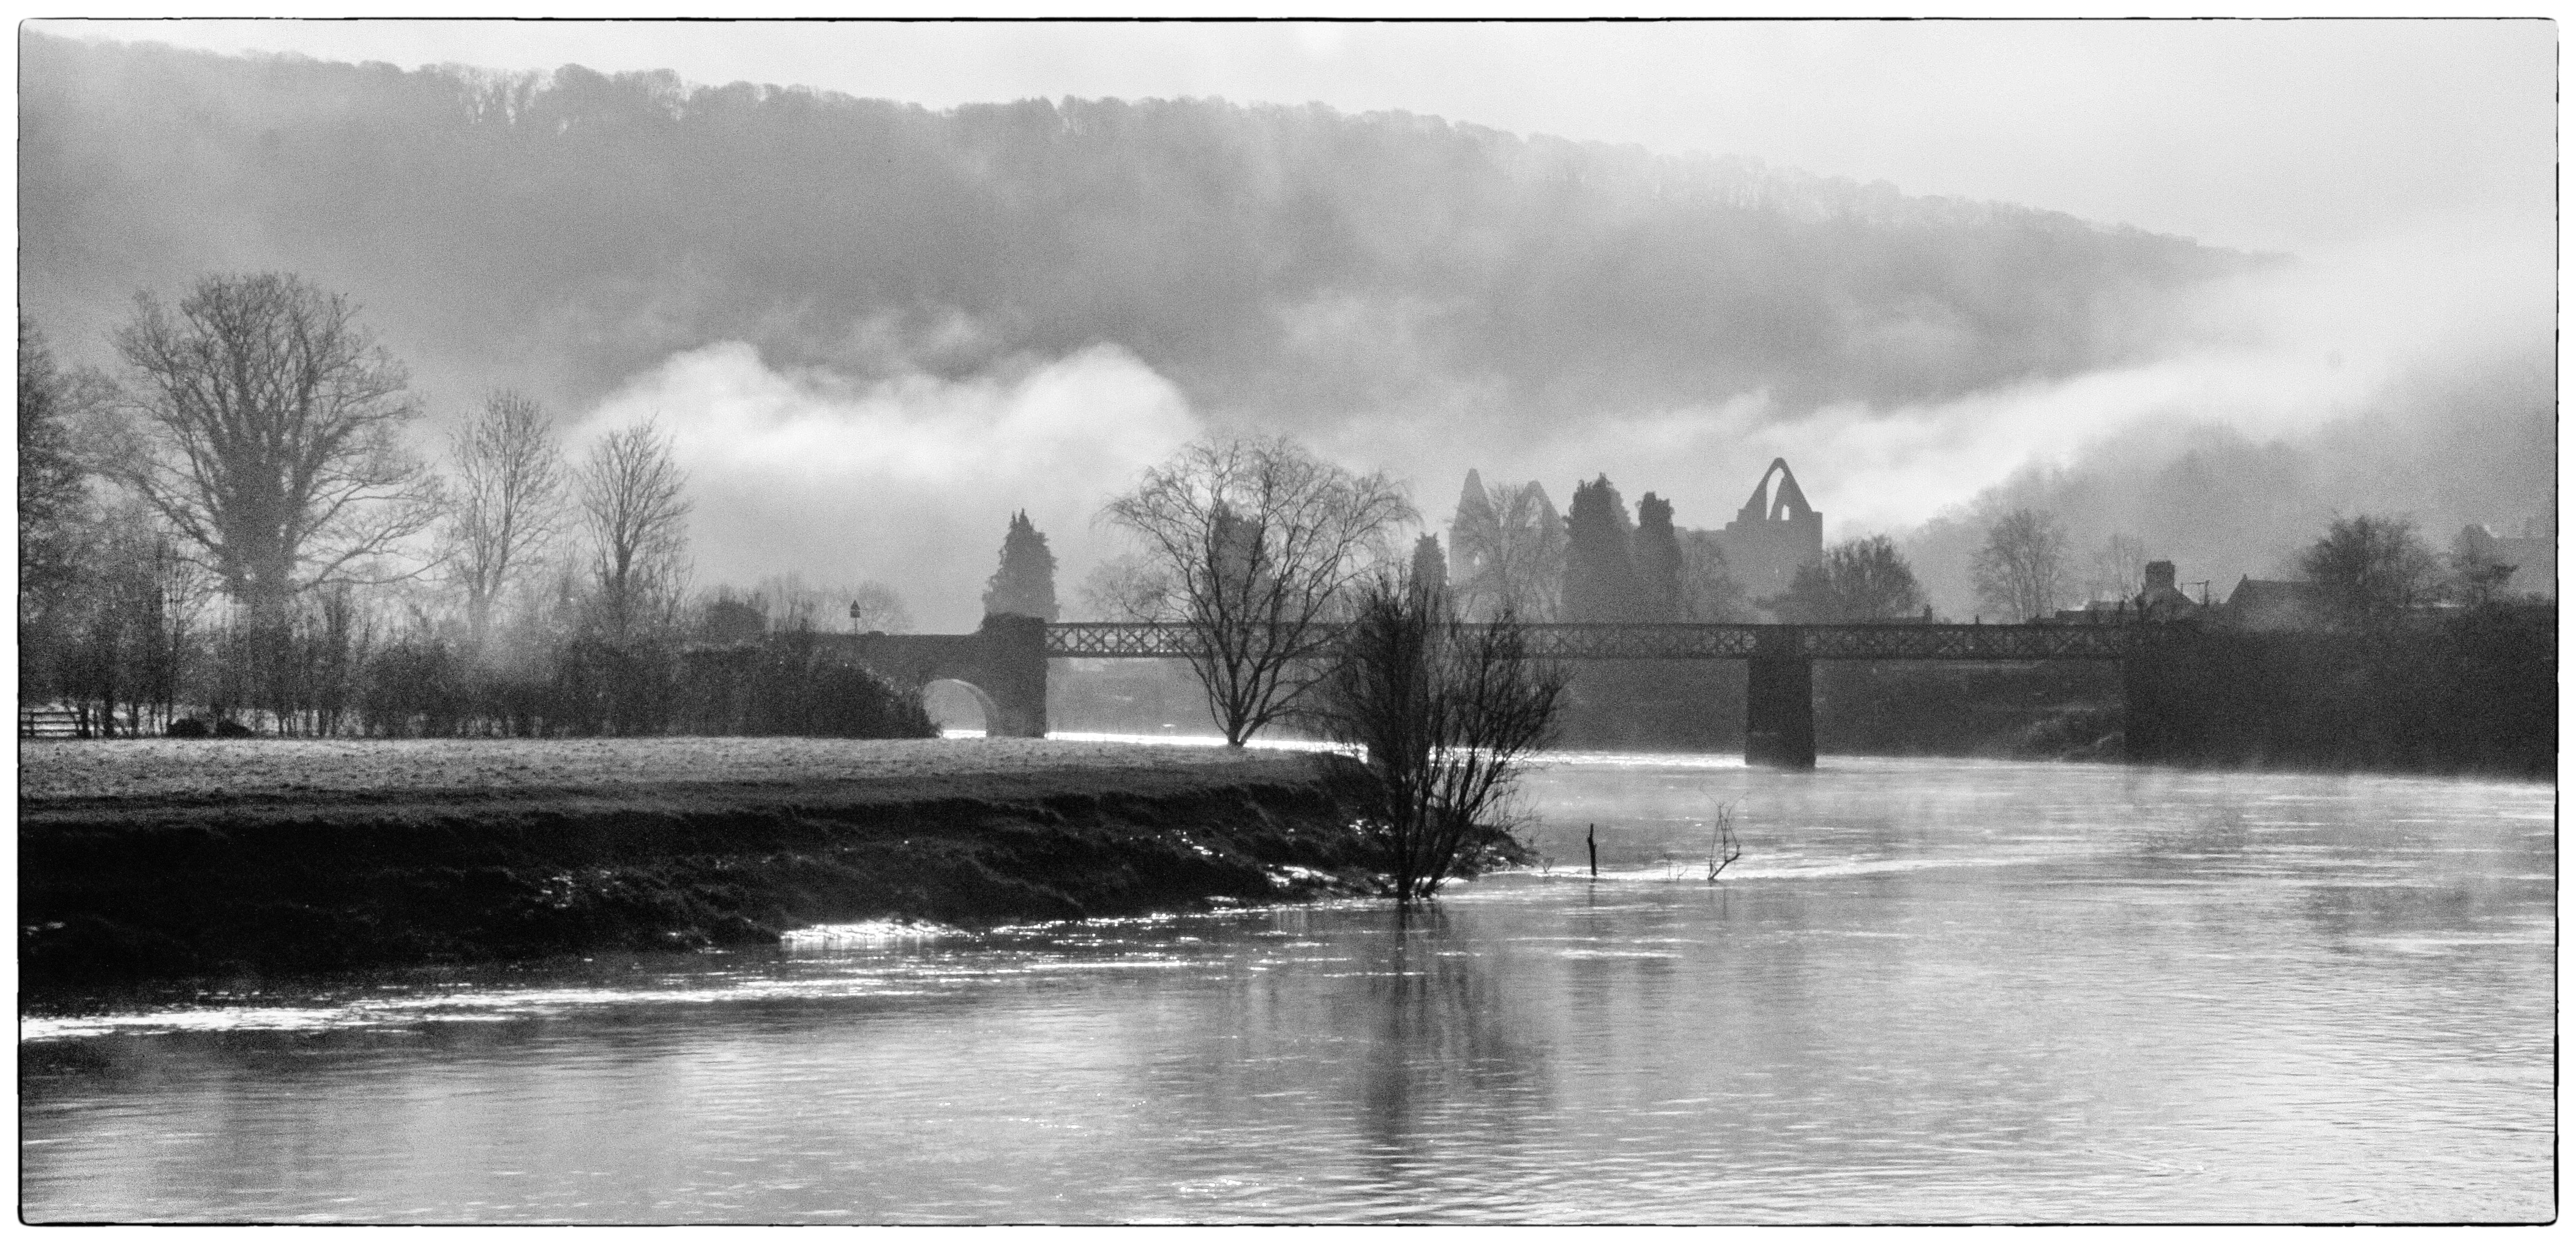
(1703, 641)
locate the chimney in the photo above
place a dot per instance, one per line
(2160, 577)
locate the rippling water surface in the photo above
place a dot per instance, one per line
(1928, 991)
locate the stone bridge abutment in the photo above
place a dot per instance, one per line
(1003, 661)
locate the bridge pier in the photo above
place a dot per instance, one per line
(1014, 675)
(1780, 702)
(2157, 710)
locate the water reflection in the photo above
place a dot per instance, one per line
(1447, 1079)
(1929, 991)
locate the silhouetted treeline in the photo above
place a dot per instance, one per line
(319, 683)
(2223, 502)
(579, 227)
(790, 683)
(2476, 692)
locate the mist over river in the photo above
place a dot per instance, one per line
(1929, 990)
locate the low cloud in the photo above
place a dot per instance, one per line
(910, 479)
(2404, 374)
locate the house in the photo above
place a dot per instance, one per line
(2274, 605)
(2161, 601)
(2534, 558)
(2158, 600)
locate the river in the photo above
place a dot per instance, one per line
(1928, 990)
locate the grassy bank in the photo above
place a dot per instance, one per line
(187, 858)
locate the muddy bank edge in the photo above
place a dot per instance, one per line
(120, 892)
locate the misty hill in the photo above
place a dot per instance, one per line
(879, 330)
(1296, 265)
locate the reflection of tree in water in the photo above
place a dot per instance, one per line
(1448, 1072)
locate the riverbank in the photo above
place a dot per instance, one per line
(172, 858)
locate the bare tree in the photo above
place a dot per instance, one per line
(53, 491)
(169, 605)
(874, 606)
(1125, 588)
(136, 603)
(1507, 551)
(271, 426)
(1448, 713)
(508, 501)
(333, 648)
(2021, 571)
(1257, 541)
(2116, 569)
(2370, 570)
(1709, 590)
(1857, 581)
(633, 511)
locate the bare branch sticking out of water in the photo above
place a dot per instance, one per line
(1723, 847)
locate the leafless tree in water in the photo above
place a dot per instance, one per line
(1447, 714)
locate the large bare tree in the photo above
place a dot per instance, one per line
(2021, 571)
(507, 504)
(633, 510)
(270, 430)
(1256, 542)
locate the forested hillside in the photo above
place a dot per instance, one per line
(1292, 264)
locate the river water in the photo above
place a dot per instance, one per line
(1928, 990)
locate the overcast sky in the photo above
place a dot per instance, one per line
(2269, 135)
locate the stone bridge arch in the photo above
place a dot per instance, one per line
(1003, 663)
(984, 705)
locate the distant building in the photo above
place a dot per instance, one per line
(2161, 601)
(2533, 556)
(2274, 605)
(1772, 536)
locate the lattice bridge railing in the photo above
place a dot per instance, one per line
(1692, 641)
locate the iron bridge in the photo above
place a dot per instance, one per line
(1695, 641)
